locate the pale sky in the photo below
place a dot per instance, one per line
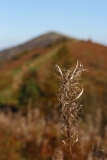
(22, 20)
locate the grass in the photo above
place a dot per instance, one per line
(33, 136)
(7, 97)
(6, 94)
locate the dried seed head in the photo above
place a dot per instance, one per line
(69, 96)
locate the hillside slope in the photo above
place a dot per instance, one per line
(45, 40)
(28, 84)
(93, 56)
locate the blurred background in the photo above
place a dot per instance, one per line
(34, 36)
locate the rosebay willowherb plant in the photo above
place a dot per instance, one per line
(70, 94)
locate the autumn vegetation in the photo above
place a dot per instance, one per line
(30, 110)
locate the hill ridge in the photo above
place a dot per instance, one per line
(43, 40)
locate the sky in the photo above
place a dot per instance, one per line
(22, 20)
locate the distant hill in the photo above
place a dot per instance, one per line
(41, 41)
(41, 53)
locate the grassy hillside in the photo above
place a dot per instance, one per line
(42, 41)
(93, 56)
(28, 83)
(14, 70)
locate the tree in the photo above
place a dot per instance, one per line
(28, 91)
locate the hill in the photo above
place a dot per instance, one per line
(40, 60)
(38, 42)
(27, 81)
